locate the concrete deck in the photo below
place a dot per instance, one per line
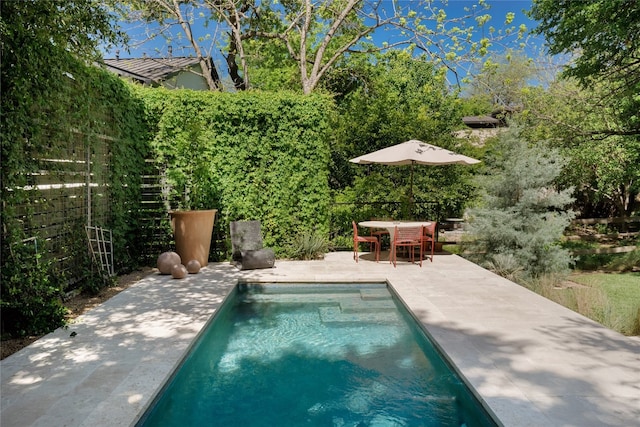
(533, 362)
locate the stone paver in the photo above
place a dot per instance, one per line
(531, 361)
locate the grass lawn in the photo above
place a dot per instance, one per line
(622, 289)
(622, 292)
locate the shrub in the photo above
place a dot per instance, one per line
(31, 292)
(505, 265)
(625, 262)
(523, 215)
(309, 245)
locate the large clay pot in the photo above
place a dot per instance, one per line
(192, 232)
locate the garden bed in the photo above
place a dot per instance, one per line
(78, 305)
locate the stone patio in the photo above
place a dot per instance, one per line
(531, 361)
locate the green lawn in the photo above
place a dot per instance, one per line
(622, 292)
(622, 289)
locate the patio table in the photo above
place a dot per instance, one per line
(391, 225)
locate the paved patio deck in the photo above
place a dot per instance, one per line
(533, 362)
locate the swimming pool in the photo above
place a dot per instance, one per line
(314, 355)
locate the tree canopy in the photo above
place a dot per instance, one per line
(604, 33)
(316, 34)
(603, 36)
(605, 171)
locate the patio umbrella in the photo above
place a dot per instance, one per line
(414, 152)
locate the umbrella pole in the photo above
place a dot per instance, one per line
(411, 191)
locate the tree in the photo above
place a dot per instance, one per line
(235, 14)
(316, 34)
(603, 36)
(523, 215)
(604, 168)
(78, 26)
(396, 98)
(502, 78)
(168, 13)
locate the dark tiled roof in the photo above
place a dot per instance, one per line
(149, 70)
(496, 119)
(481, 121)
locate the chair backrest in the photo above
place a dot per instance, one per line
(407, 234)
(355, 230)
(245, 236)
(430, 230)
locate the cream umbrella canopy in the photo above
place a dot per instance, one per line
(414, 152)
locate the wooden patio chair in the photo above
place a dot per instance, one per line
(429, 238)
(372, 240)
(409, 237)
(380, 232)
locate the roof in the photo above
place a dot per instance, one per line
(481, 121)
(149, 70)
(496, 119)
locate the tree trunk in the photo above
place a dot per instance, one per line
(209, 71)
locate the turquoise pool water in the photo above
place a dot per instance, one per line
(314, 355)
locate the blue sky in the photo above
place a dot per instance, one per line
(180, 47)
(158, 46)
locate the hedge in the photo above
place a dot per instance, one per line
(251, 155)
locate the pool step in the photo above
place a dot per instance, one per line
(373, 294)
(303, 298)
(365, 300)
(312, 288)
(367, 306)
(336, 315)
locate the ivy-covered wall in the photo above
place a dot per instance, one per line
(251, 155)
(88, 148)
(73, 148)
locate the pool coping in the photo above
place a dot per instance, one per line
(532, 361)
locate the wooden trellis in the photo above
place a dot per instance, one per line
(101, 247)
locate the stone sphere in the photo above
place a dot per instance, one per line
(179, 271)
(193, 266)
(167, 260)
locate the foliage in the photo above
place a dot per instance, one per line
(31, 293)
(51, 101)
(309, 245)
(626, 262)
(523, 215)
(622, 294)
(605, 50)
(271, 67)
(506, 265)
(314, 36)
(502, 79)
(254, 155)
(47, 26)
(604, 54)
(610, 262)
(599, 300)
(180, 144)
(397, 99)
(604, 171)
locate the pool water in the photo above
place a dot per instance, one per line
(314, 355)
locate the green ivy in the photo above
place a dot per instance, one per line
(251, 155)
(44, 116)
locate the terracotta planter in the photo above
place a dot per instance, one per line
(192, 232)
